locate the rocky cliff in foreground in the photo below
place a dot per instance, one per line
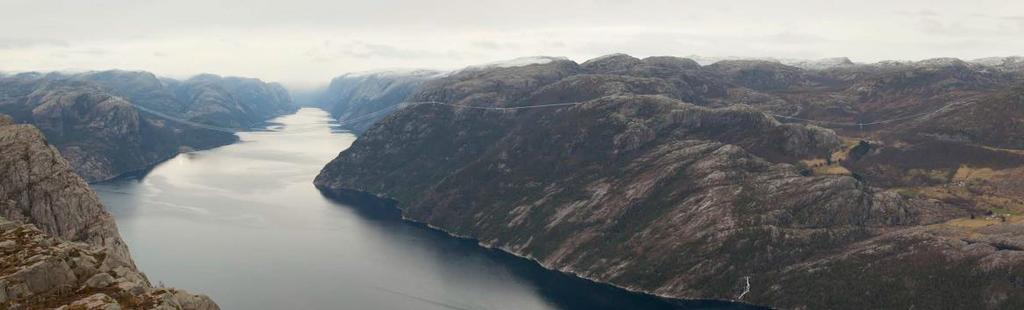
(59, 248)
(104, 122)
(655, 183)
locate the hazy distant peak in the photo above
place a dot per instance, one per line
(419, 73)
(924, 63)
(941, 62)
(807, 64)
(204, 76)
(29, 75)
(677, 61)
(610, 63)
(998, 61)
(117, 74)
(750, 63)
(519, 62)
(212, 78)
(705, 60)
(612, 56)
(821, 64)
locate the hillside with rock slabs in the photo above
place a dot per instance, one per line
(232, 102)
(636, 188)
(59, 248)
(102, 124)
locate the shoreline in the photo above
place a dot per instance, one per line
(352, 196)
(142, 171)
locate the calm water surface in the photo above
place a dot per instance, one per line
(244, 224)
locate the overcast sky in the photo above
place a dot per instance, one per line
(305, 42)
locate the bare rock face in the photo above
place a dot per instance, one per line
(39, 187)
(40, 271)
(59, 248)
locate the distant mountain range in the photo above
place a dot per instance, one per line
(358, 100)
(827, 184)
(105, 123)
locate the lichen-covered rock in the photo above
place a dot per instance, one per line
(46, 272)
(100, 280)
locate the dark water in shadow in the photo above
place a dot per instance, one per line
(244, 224)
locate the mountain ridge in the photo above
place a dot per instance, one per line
(101, 121)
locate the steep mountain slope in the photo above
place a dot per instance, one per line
(223, 101)
(636, 188)
(58, 244)
(101, 121)
(231, 101)
(359, 100)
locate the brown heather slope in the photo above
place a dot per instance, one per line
(58, 246)
(970, 155)
(638, 189)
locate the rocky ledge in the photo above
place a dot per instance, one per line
(38, 271)
(38, 186)
(59, 248)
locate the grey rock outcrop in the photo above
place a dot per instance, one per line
(59, 248)
(38, 186)
(46, 272)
